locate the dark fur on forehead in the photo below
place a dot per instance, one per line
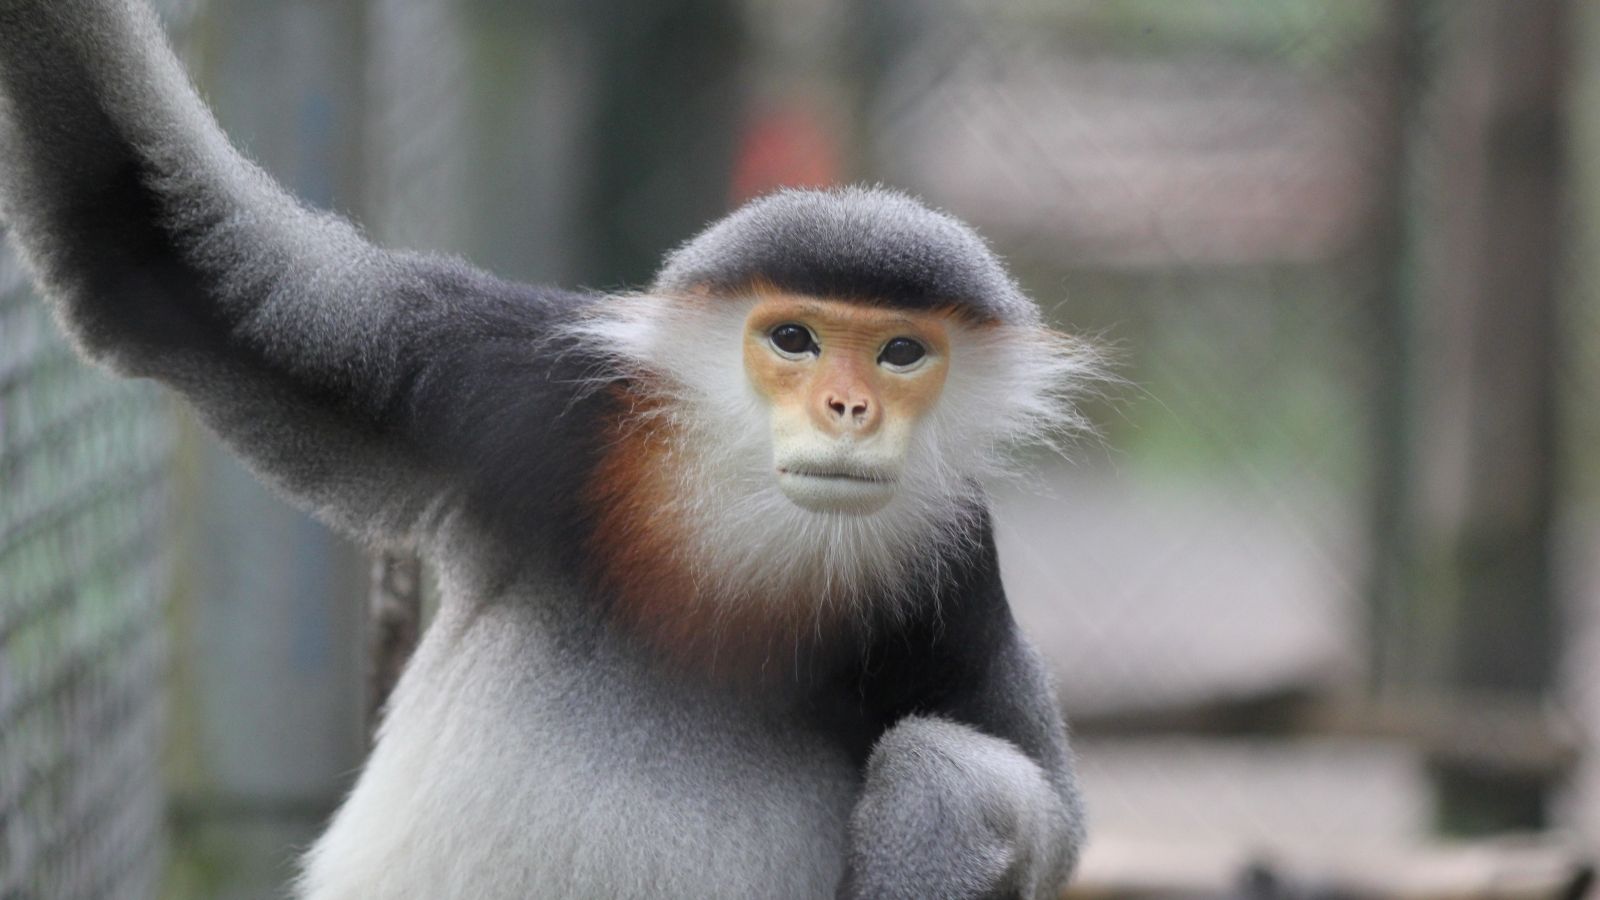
(851, 243)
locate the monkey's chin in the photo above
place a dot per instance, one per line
(829, 493)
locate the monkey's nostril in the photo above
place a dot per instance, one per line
(848, 411)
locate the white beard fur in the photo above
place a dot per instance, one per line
(1008, 386)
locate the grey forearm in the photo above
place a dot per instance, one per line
(169, 255)
(949, 812)
(147, 228)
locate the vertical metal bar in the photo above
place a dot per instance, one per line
(394, 608)
(1501, 191)
(664, 109)
(412, 196)
(1388, 256)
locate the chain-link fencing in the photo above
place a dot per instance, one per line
(84, 526)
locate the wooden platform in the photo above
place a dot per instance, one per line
(1509, 869)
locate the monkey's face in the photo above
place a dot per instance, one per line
(846, 385)
(745, 413)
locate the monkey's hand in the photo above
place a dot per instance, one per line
(949, 812)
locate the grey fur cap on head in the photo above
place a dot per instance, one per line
(857, 243)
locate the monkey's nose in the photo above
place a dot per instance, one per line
(856, 410)
(850, 412)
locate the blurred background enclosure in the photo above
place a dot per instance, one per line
(1326, 585)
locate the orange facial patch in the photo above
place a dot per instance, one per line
(639, 541)
(646, 563)
(846, 379)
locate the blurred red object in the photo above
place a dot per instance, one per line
(784, 145)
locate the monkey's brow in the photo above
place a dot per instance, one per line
(808, 308)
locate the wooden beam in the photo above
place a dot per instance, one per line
(1511, 869)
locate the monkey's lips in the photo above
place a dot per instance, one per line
(854, 491)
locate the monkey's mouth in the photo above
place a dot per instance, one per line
(831, 490)
(838, 475)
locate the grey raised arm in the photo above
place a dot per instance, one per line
(339, 370)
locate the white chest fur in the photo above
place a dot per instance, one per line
(514, 766)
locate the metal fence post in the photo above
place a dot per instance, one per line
(394, 617)
(1493, 455)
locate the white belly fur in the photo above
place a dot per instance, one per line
(508, 767)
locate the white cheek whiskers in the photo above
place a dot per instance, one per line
(1008, 385)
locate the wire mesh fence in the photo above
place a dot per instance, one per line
(83, 579)
(86, 514)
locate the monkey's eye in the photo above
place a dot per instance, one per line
(793, 340)
(901, 353)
